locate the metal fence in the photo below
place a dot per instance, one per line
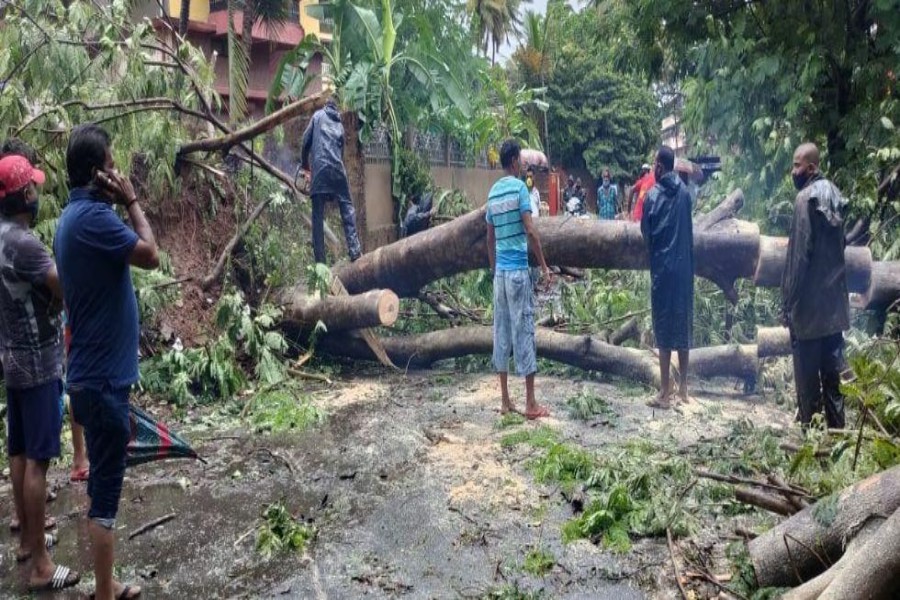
(436, 148)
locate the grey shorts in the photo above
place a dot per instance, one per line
(514, 321)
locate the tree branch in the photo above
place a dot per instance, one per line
(295, 109)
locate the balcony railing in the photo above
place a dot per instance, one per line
(293, 9)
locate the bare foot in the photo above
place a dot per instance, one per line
(661, 400)
(510, 408)
(537, 412)
(123, 592)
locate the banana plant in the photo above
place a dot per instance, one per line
(368, 67)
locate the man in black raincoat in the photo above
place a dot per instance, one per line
(419, 214)
(323, 154)
(668, 232)
(815, 304)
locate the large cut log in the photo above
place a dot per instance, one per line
(812, 589)
(724, 252)
(582, 351)
(873, 572)
(884, 290)
(773, 341)
(792, 552)
(340, 313)
(406, 266)
(773, 254)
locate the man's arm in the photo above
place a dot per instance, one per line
(491, 247)
(797, 260)
(52, 282)
(145, 253)
(534, 242)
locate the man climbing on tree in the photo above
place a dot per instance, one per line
(815, 304)
(323, 154)
(510, 233)
(668, 232)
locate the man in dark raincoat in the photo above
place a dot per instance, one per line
(668, 232)
(815, 304)
(323, 154)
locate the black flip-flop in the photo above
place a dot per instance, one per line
(63, 577)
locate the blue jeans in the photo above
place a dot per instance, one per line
(348, 219)
(514, 322)
(107, 430)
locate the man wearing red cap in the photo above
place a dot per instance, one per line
(31, 353)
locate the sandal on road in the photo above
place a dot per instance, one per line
(49, 523)
(63, 577)
(125, 594)
(79, 475)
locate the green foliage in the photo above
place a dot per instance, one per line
(561, 463)
(542, 437)
(214, 371)
(510, 419)
(877, 383)
(603, 296)
(763, 78)
(281, 532)
(283, 408)
(413, 180)
(539, 562)
(586, 405)
(154, 288)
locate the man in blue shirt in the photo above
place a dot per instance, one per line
(510, 228)
(607, 198)
(94, 249)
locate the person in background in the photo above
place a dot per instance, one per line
(95, 251)
(322, 157)
(535, 196)
(815, 304)
(419, 214)
(31, 353)
(581, 193)
(510, 235)
(667, 229)
(533, 192)
(569, 191)
(641, 187)
(607, 198)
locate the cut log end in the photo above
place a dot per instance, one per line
(388, 308)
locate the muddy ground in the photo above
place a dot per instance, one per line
(408, 487)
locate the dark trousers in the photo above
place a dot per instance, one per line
(107, 429)
(817, 374)
(348, 218)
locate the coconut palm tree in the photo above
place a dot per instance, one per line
(271, 14)
(493, 21)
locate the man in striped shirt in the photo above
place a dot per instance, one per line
(510, 231)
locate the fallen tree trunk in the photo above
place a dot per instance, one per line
(773, 341)
(793, 551)
(724, 252)
(812, 589)
(340, 313)
(874, 571)
(583, 351)
(629, 330)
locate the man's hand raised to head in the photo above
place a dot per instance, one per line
(120, 186)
